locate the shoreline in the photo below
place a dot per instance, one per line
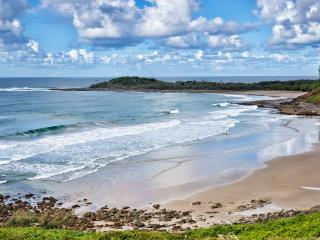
(272, 191)
(270, 93)
(283, 183)
(265, 190)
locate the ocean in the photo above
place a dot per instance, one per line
(58, 136)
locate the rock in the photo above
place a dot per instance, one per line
(156, 206)
(29, 195)
(196, 203)
(75, 206)
(216, 205)
(139, 224)
(176, 229)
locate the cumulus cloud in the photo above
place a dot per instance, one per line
(295, 22)
(206, 41)
(31, 55)
(105, 23)
(34, 45)
(11, 36)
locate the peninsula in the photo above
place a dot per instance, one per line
(307, 104)
(151, 84)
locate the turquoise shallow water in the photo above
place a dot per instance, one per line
(92, 144)
(60, 136)
(64, 135)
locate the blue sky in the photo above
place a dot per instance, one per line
(159, 37)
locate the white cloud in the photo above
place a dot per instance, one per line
(80, 56)
(279, 57)
(199, 55)
(11, 36)
(222, 41)
(34, 45)
(105, 23)
(295, 22)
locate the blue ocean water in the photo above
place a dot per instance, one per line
(59, 82)
(55, 135)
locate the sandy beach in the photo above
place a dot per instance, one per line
(284, 94)
(290, 182)
(214, 181)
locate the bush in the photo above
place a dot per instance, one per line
(59, 218)
(22, 218)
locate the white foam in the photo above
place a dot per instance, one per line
(82, 153)
(231, 112)
(174, 111)
(22, 150)
(226, 104)
(311, 188)
(247, 98)
(66, 156)
(3, 181)
(24, 89)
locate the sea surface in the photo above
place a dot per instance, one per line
(48, 135)
(59, 82)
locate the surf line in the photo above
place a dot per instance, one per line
(311, 188)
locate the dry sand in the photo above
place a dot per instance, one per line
(291, 182)
(286, 94)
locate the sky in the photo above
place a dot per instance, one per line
(97, 38)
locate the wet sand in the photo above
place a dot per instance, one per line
(176, 173)
(291, 182)
(188, 177)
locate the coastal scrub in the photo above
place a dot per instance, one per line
(304, 226)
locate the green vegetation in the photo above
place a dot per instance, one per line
(22, 218)
(298, 227)
(312, 97)
(151, 84)
(59, 218)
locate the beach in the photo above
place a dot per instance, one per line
(290, 182)
(221, 178)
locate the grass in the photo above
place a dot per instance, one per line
(22, 218)
(298, 227)
(314, 97)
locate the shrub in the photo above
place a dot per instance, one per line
(59, 218)
(22, 218)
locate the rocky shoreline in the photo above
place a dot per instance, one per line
(288, 106)
(48, 212)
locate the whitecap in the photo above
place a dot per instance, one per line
(24, 89)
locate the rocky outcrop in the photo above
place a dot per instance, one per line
(306, 105)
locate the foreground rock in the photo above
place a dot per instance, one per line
(46, 213)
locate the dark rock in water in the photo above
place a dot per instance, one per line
(29, 195)
(75, 206)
